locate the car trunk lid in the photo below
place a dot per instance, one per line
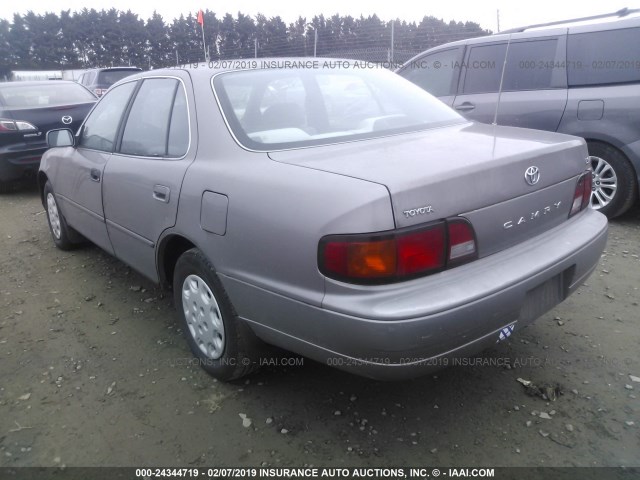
(474, 170)
(44, 119)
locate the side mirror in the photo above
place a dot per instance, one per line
(61, 137)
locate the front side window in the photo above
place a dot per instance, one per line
(289, 108)
(484, 68)
(100, 128)
(530, 65)
(147, 127)
(436, 73)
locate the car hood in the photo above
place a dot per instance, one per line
(453, 169)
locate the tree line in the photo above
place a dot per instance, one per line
(91, 38)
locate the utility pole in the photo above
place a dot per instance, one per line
(255, 48)
(498, 17)
(392, 35)
(315, 42)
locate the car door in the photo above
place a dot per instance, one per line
(534, 93)
(436, 72)
(143, 177)
(78, 182)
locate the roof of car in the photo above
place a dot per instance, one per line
(106, 69)
(268, 63)
(624, 13)
(630, 20)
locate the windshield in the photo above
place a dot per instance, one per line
(289, 108)
(44, 95)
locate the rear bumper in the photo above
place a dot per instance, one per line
(406, 330)
(16, 164)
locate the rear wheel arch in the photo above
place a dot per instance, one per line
(170, 249)
(627, 178)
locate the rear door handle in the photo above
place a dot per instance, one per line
(465, 107)
(161, 193)
(94, 174)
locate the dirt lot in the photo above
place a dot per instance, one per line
(94, 372)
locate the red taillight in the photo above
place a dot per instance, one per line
(582, 193)
(588, 187)
(7, 125)
(394, 256)
(462, 242)
(421, 251)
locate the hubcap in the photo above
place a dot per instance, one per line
(54, 216)
(203, 315)
(605, 183)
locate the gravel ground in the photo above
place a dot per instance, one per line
(94, 372)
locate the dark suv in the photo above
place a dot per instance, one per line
(99, 80)
(580, 77)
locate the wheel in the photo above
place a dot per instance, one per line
(614, 180)
(224, 345)
(65, 237)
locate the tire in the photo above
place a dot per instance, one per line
(615, 186)
(224, 345)
(65, 237)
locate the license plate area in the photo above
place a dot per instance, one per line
(542, 298)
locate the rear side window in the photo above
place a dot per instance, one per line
(100, 128)
(600, 58)
(179, 127)
(147, 129)
(436, 73)
(530, 66)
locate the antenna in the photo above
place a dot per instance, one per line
(504, 69)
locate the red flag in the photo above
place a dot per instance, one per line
(200, 18)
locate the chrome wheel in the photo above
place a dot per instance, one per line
(54, 216)
(605, 183)
(203, 316)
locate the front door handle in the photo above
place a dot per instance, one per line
(465, 107)
(161, 193)
(94, 174)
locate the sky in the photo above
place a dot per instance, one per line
(513, 13)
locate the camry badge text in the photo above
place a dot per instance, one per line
(532, 216)
(532, 175)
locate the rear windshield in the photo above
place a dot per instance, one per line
(289, 108)
(46, 95)
(109, 77)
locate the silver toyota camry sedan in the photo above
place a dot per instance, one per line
(332, 209)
